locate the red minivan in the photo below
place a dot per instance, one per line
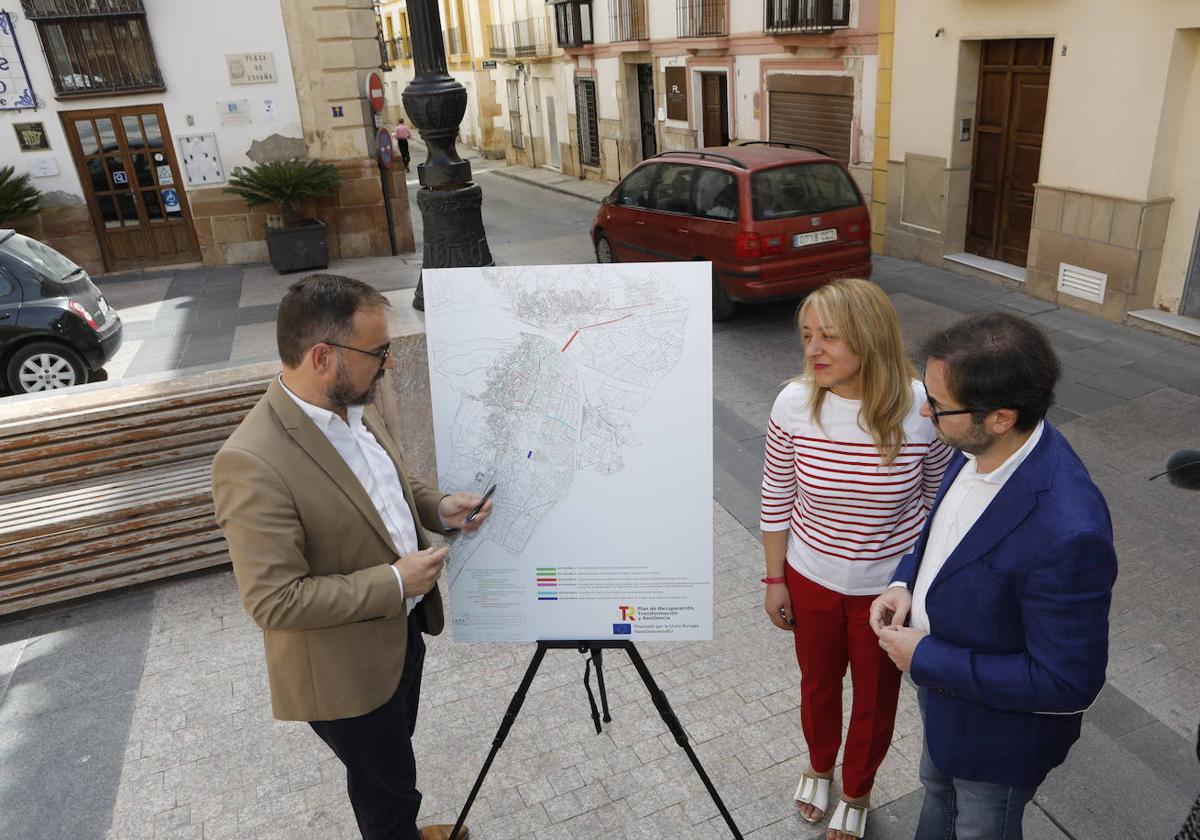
(775, 219)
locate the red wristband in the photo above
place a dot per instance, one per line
(774, 580)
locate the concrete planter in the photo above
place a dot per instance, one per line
(298, 248)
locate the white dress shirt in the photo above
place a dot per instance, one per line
(965, 501)
(375, 471)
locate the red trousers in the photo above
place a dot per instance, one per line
(833, 631)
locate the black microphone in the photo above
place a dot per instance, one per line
(1183, 469)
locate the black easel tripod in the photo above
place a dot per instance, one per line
(595, 648)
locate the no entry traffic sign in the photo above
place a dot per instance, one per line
(374, 88)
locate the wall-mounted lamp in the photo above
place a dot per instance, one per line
(941, 31)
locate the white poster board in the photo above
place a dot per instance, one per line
(585, 394)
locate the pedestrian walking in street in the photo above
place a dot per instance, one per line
(851, 469)
(403, 133)
(325, 534)
(1000, 613)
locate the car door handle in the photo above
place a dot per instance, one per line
(639, 222)
(682, 230)
(4, 316)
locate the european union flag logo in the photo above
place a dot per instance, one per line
(622, 630)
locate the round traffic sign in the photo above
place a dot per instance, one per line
(384, 139)
(374, 89)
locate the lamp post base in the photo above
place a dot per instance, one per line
(454, 235)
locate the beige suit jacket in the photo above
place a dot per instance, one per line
(311, 557)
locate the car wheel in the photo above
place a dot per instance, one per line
(45, 366)
(723, 307)
(604, 251)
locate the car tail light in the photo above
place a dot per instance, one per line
(77, 307)
(748, 245)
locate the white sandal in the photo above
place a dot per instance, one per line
(850, 819)
(814, 791)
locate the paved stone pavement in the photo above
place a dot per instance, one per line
(145, 714)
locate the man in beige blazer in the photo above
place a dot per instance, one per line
(331, 560)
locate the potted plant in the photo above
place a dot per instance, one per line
(297, 244)
(18, 197)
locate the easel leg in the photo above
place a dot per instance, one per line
(514, 707)
(668, 715)
(598, 659)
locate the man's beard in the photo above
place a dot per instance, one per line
(975, 441)
(343, 395)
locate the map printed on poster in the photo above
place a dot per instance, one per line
(584, 393)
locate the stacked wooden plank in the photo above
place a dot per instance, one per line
(102, 497)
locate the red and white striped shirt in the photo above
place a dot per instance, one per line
(851, 518)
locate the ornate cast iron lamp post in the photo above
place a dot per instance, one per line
(448, 201)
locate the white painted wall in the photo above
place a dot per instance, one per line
(190, 44)
(608, 75)
(745, 87)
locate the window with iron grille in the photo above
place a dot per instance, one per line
(514, 115)
(585, 120)
(573, 23)
(805, 15)
(95, 47)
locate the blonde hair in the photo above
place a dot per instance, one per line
(863, 317)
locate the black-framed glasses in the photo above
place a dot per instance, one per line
(936, 414)
(380, 356)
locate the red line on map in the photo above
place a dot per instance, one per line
(589, 326)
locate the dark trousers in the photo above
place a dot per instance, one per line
(404, 155)
(381, 771)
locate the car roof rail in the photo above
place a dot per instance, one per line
(785, 145)
(696, 153)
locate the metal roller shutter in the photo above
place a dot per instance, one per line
(818, 119)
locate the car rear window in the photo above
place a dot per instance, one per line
(57, 275)
(801, 189)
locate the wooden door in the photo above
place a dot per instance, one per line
(133, 185)
(713, 109)
(1014, 79)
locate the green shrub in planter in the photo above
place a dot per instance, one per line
(18, 197)
(284, 182)
(300, 243)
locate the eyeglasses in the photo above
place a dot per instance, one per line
(936, 415)
(380, 355)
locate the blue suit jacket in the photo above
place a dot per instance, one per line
(1019, 618)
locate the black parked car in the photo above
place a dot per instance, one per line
(56, 328)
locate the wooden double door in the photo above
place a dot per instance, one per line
(1014, 79)
(133, 186)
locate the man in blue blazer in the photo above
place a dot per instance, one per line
(1000, 614)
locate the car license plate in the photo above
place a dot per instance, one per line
(815, 238)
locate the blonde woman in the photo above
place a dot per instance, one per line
(850, 473)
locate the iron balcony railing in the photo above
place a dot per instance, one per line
(531, 37)
(456, 44)
(399, 49)
(47, 9)
(498, 41)
(700, 18)
(627, 20)
(785, 16)
(520, 39)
